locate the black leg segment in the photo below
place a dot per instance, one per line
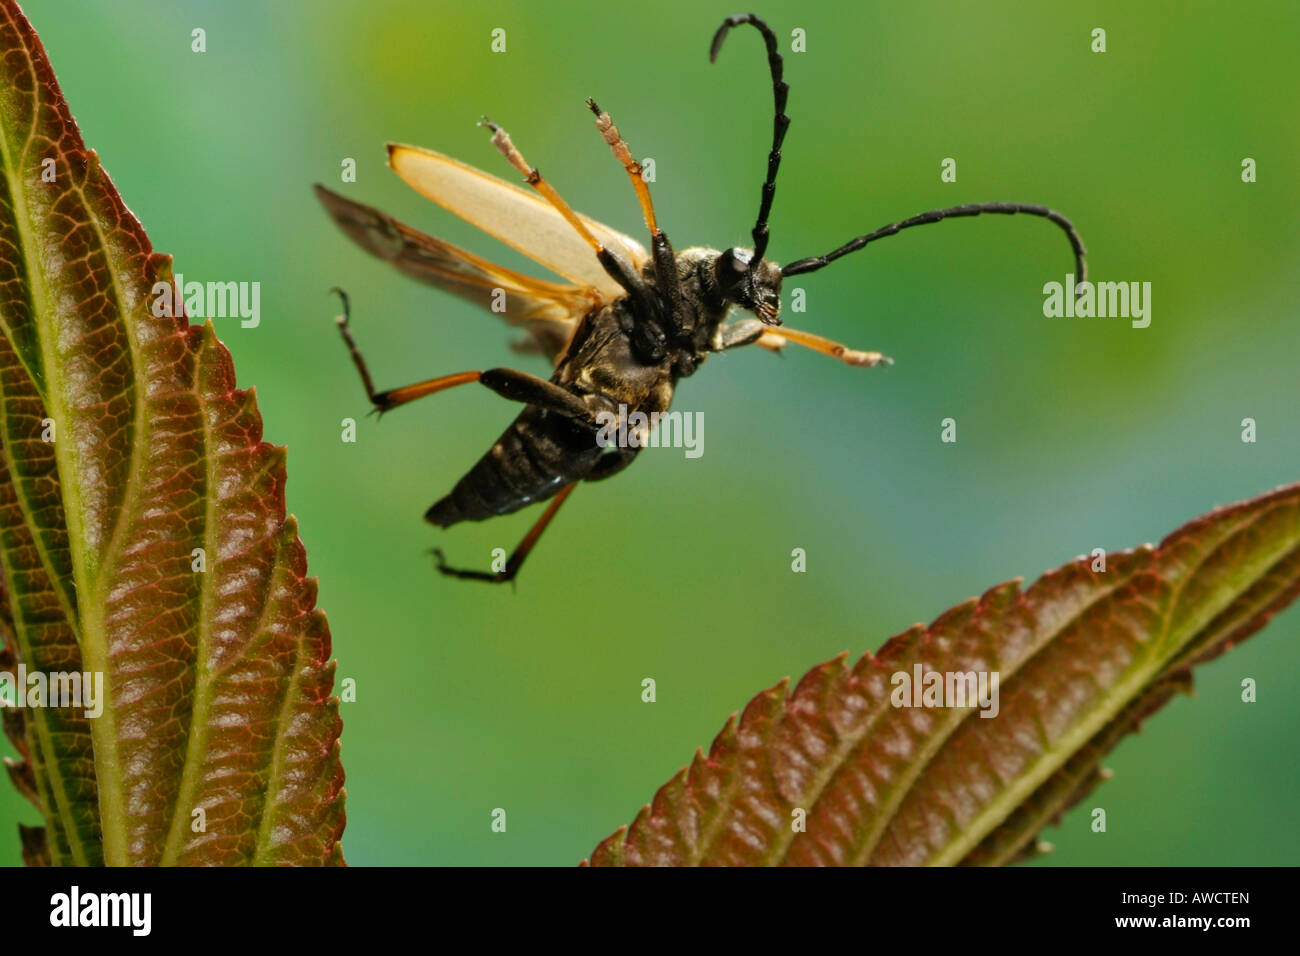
(517, 557)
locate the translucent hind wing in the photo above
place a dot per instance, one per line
(550, 310)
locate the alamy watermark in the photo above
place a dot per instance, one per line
(959, 689)
(1102, 300)
(22, 688)
(655, 430)
(133, 911)
(210, 300)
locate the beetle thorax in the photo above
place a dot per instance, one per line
(704, 306)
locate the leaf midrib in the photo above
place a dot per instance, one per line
(88, 579)
(36, 287)
(903, 785)
(898, 793)
(1106, 709)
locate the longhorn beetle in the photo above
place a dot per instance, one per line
(629, 325)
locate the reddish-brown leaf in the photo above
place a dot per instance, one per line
(219, 739)
(1083, 656)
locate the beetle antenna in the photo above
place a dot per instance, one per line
(780, 122)
(935, 215)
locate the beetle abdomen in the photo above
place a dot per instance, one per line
(533, 459)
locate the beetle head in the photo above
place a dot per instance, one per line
(752, 286)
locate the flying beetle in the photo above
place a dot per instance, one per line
(625, 328)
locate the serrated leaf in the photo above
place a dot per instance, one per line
(217, 682)
(34, 849)
(1083, 657)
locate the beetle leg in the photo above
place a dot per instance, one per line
(744, 332)
(517, 557)
(501, 140)
(383, 401)
(618, 146)
(531, 390)
(665, 261)
(776, 339)
(508, 383)
(754, 332)
(612, 463)
(614, 265)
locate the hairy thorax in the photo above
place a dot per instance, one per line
(601, 365)
(604, 364)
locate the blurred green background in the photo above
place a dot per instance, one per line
(1073, 434)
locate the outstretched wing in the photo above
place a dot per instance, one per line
(550, 310)
(519, 218)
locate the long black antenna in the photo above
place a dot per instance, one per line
(780, 122)
(935, 215)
